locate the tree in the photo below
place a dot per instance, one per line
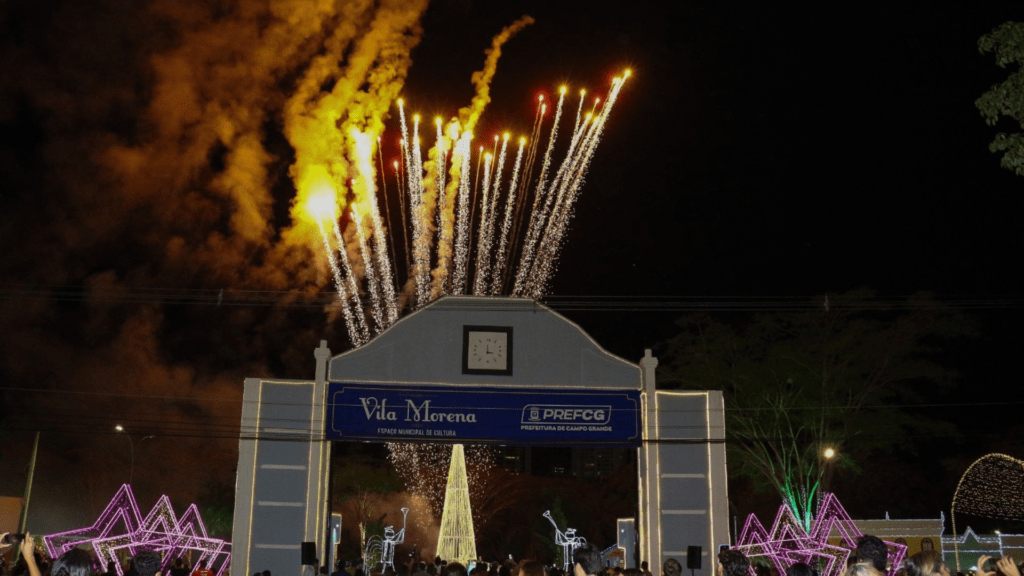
(217, 507)
(1006, 99)
(827, 376)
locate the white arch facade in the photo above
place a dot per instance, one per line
(281, 486)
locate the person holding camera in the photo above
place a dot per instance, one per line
(28, 554)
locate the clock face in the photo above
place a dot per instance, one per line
(487, 350)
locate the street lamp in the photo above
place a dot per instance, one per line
(131, 447)
(825, 471)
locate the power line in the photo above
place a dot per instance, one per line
(577, 303)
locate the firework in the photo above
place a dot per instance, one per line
(438, 199)
(500, 257)
(423, 469)
(448, 245)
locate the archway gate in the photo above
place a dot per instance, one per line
(476, 370)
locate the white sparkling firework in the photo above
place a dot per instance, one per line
(492, 213)
(510, 209)
(511, 238)
(537, 216)
(461, 255)
(442, 150)
(377, 310)
(386, 287)
(346, 311)
(421, 244)
(423, 468)
(353, 288)
(481, 256)
(571, 181)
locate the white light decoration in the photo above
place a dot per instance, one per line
(385, 547)
(568, 540)
(992, 487)
(456, 541)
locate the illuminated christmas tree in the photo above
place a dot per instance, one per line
(456, 541)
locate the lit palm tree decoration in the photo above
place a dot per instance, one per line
(456, 541)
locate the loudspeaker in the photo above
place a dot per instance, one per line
(693, 557)
(309, 553)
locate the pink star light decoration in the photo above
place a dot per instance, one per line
(122, 528)
(788, 542)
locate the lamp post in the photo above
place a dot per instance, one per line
(131, 448)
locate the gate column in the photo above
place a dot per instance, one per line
(280, 487)
(684, 498)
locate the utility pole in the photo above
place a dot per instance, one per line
(28, 486)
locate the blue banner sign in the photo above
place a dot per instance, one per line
(511, 416)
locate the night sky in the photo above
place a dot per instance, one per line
(763, 151)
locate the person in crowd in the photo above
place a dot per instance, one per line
(180, 568)
(342, 566)
(147, 563)
(645, 569)
(112, 569)
(586, 560)
(1004, 566)
(671, 567)
(506, 568)
(532, 568)
(421, 569)
(800, 569)
(31, 562)
(861, 569)
(732, 563)
(873, 552)
(203, 570)
(453, 569)
(5, 543)
(74, 562)
(926, 563)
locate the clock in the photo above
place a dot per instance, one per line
(487, 350)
